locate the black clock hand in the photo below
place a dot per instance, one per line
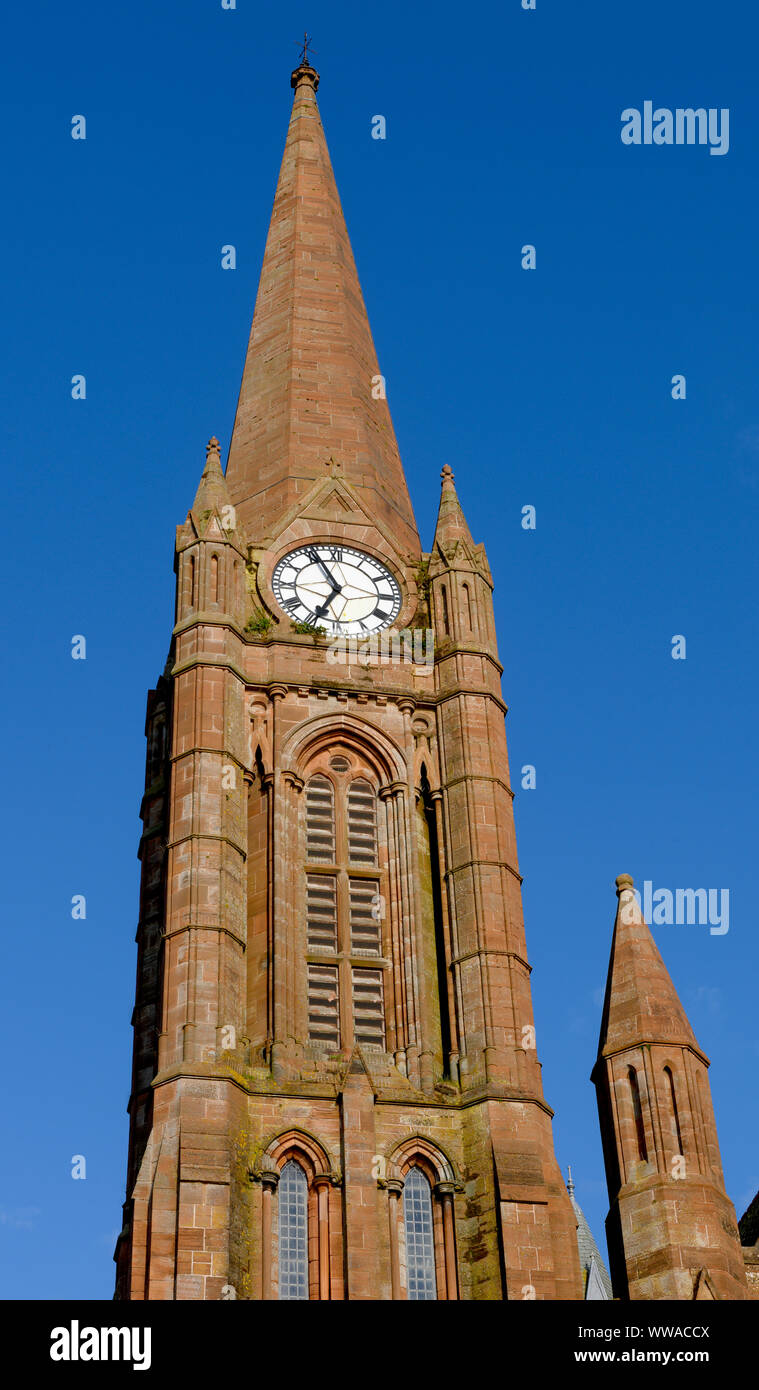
(316, 558)
(322, 610)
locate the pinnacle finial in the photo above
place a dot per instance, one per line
(304, 51)
(624, 881)
(570, 1182)
(447, 472)
(305, 71)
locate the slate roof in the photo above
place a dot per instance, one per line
(590, 1255)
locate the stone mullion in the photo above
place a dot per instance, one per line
(295, 911)
(405, 934)
(394, 915)
(387, 948)
(342, 898)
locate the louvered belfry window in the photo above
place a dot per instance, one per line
(362, 823)
(321, 904)
(320, 820)
(323, 1005)
(344, 910)
(368, 1010)
(365, 923)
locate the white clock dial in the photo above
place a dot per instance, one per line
(339, 589)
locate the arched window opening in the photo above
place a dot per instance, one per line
(446, 622)
(299, 1203)
(675, 1115)
(192, 581)
(421, 1189)
(421, 1282)
(638, 1115)
(345, 996)
(467, 607)
(293, 1232)
(214, 597)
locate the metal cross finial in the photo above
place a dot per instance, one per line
(304, 50)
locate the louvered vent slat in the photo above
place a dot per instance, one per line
(323, 1005)
(362, 823)
(320, 820)
(321, 912)
(368, 1007)
(365, 925)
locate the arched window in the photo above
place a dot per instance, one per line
(420, 1186)
(300, 1205)
(192, 581)
(640, 1131)
(675, 1115)
(293, 1232)
(467, 607)
(446, 623)
(420, 1246)
(344, 909)
(214, 597)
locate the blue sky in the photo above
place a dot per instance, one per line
(550, 388)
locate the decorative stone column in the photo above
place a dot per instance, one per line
(444, 1191)
(269, 1180)
(394, 1188)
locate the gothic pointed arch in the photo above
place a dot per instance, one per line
(421, 1185)
(300, 1205)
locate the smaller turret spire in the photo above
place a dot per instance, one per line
(212, 489)
(641, 1002)
(451, 523)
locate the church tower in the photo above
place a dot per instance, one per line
(671, 1229)
(336, 1091)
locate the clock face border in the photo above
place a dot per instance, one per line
(358, 571)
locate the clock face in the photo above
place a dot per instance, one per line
(341, 590)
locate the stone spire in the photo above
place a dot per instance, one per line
(311, 386)
(212, 493)
(451, 524)
(641, 1003)
(671, 1229)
